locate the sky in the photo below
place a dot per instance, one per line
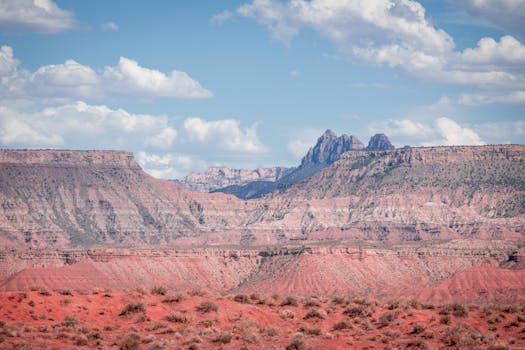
(190, 84)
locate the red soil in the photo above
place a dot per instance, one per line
(40, 320)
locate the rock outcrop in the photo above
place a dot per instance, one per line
(379, 142)
(220, 177)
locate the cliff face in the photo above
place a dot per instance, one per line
(88, 198)
(219, 177)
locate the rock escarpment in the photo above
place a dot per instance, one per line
(91, 198)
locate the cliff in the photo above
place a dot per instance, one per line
(92, 198)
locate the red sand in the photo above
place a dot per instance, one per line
(262, 323)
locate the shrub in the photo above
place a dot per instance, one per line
(444, 319)
(339, 300)
(133, 308)
(310, 331)
(207, 306)
(297, 343)
(65, 292)
(174, 298)
(131, 342)
(159, 290)
(241, 298)
(70, 321)
(223, 338)
(385, 319)
(178, 317)
(418, 328)
(31, 303)
(44, 292)
(289, 300)
(457, 310)
(315, 313)
(343, 324)
(356, 311)
(312, 303)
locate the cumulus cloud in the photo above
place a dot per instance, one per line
(439, 132)
(74, 80)
(78, 125)
(42, 16)
(170, 165)
(226, 134)
(129, 78)
(161, 148)
(395, 33)
(507, 14)
(109, 26)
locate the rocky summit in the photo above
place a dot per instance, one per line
(329, 148)
(379, 142)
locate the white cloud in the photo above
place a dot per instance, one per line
(42, 16)
(489, 51)
(396, 33)
(222, 17)
(68, 79)
(72, 80)
(128, 78)
(169, 166)
(439, 132)
(8, 63)
(453, 134)
(109, 26)
(78, 125)
(502, 132)
(226, 134)
(507, 14)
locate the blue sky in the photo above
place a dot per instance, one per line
(190, 84)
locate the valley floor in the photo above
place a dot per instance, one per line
(159, 318)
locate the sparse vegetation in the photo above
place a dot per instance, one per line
(159, 290)
(131, 342)
(133, 308)
(178, 317)
(289, 301)
(207, 306)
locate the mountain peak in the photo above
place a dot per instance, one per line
(329, 148)
(379, 142)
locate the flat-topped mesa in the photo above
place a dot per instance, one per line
(68, 158)
(448, 154)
